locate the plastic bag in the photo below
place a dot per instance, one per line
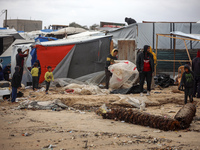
(121, 72)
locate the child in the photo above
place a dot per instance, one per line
(34, 73)
(48, 77)
(187, 81)
(16, 83)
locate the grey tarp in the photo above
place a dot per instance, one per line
(145, 33)
(86, 57)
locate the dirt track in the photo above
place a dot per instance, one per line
(69, 129)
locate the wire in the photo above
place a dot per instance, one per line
(2, 12)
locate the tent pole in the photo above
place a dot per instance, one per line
(174, 57)
(156, 52)
(187, 52)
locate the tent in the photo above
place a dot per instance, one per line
(177, 35)
(70, 58)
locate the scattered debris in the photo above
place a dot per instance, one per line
(55, 105)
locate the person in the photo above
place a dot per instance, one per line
(145, 66)
(1, 74)
(16, 83)
(130, 21)
(6, 72)
(155, 63)
(20, 60)
(110, 60)
(187, 81)
(34, 73)
(39, 67)
(196, 70)
(48, 78)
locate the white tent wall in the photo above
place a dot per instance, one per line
(27, 62)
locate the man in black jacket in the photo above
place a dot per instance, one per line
(145, 66)
(196, 70)
(110, 60)
(20, 60)
(16, 83)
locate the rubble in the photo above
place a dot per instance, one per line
(55, 105)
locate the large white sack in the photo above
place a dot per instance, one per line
(121, 72)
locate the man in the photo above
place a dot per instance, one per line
(196, 70)
(20, 60)
(130, 21)
(145, 66)
(155, 63)
(110, 60)
(6, 72)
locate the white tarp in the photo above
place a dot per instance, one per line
(68, 30)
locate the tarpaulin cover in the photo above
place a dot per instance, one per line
(45, 39)
(34, 56)
(51, 56)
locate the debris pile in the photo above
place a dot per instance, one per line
(55, 105)
(85, 89)
(144, 119)
(185, 115)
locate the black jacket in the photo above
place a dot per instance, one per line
(110, 59)
(187, 79)
(140, 61)
(196, 66)
(16, 79)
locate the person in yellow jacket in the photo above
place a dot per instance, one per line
(34, 73)
(155, 63)
(110, 60)
(48, 78)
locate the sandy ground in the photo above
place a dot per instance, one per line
(70, 129)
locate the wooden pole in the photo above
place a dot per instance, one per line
(187, 52)
(156, 53)
(174, 57)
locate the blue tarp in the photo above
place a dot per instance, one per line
(45, 39)
(20, 31)
(48, 30)
(2, 28)
(33, 53)
(5, 60)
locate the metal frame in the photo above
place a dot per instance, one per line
(174, 37)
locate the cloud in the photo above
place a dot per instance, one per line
(88, 12)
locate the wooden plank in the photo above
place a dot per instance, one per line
(174, 65)
(167, 35)
(173, 60)
(111, 46)
(156, 52)
(187, 52)
(126, 50)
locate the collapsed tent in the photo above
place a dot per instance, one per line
(71, 58)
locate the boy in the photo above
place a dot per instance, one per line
(16, 83)
(187, 81)
(48, 77)
(34, 73)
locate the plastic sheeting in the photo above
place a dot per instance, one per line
(68, 58)
(121, 72)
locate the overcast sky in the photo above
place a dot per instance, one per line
(88, 12)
